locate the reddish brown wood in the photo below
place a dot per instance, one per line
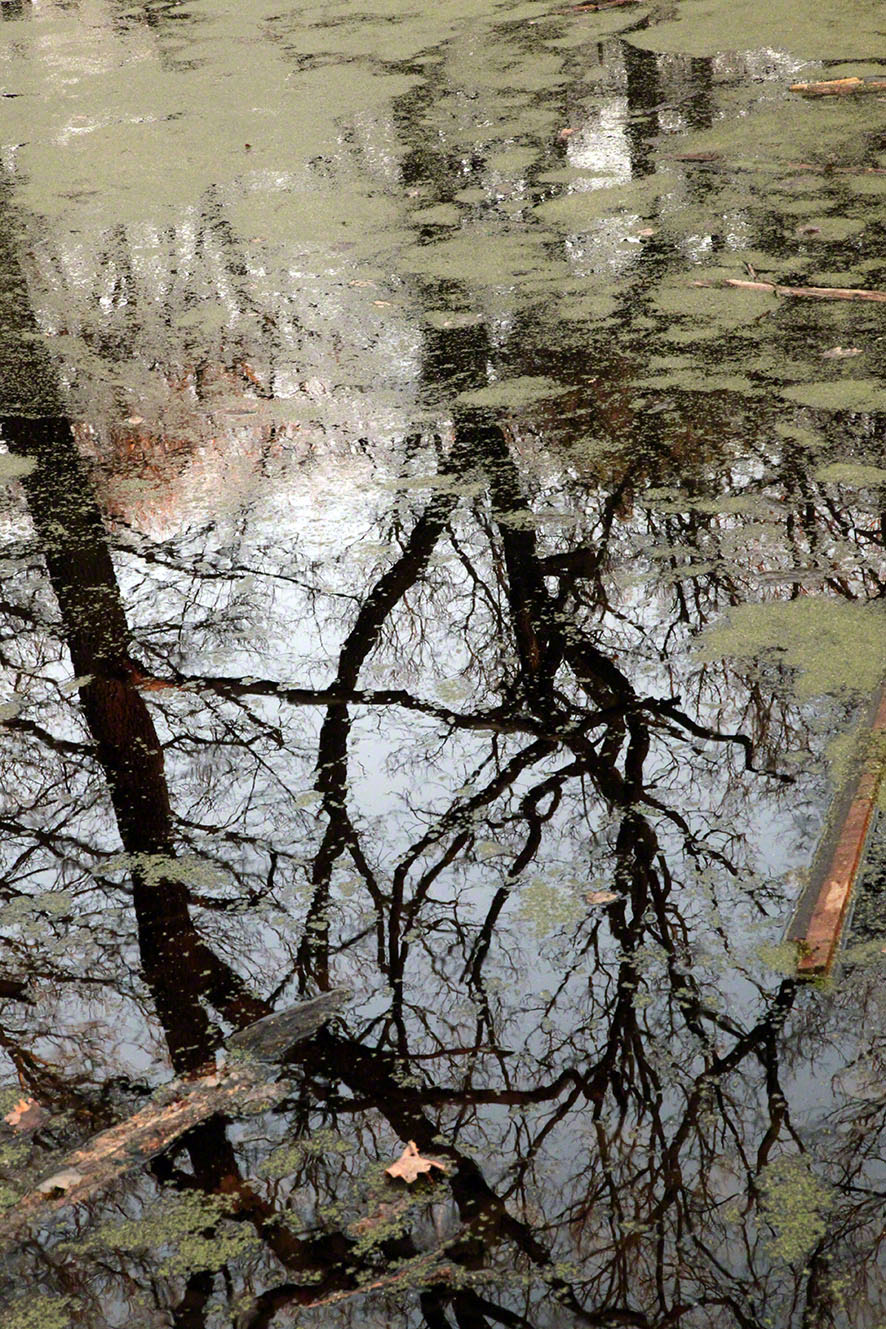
(818, 947)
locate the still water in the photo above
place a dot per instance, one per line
(423, 576)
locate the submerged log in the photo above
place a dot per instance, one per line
(84, 1173)
(246, 1085)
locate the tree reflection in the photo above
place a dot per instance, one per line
(516, 816)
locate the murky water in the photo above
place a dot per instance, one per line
(424, 576)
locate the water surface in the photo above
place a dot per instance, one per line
(423, 576)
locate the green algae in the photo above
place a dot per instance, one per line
(547, 907)
(795, 1203)
(835, 647)
(511, 393)
(442, 214)
(838, 394)
(854, 474)
(779, 959)
(14, 468)
(708, 27)
(154, 869)
(38, 1311)
(188, 1232)
(288, 1158)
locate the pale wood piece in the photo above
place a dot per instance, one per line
(84, 1173)
(811, 292)
(840, 87)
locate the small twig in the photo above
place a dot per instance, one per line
(839, 87)
(591, 8)
(812, 292)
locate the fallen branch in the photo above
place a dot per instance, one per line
(840, 87)
(592, 8)
(85, 1172)
(811, 292)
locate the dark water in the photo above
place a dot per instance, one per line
(414, 583)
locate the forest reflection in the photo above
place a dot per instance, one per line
(465, 757)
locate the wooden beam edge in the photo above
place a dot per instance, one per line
(818, 945)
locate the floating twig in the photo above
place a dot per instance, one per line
(840, 87)
(592, 8)
(809, 292)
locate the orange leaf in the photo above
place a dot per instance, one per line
(27, 1115)
(410, 1165)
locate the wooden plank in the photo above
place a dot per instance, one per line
(818, 923)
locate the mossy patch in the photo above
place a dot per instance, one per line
(37, 1312)
(854, 474)
(188, 1233)
(547, 907)
(834, 647)
(795, 1203)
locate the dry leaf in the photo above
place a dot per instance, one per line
(26, 1115)
(601, 897)
(410, 1165)
(841, 352)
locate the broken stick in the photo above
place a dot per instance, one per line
(86, 1172)
(810, 292)
(840, 87)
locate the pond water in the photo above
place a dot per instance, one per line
(424, 576)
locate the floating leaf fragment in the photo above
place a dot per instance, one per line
(410, 1165)
(26, 1115)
